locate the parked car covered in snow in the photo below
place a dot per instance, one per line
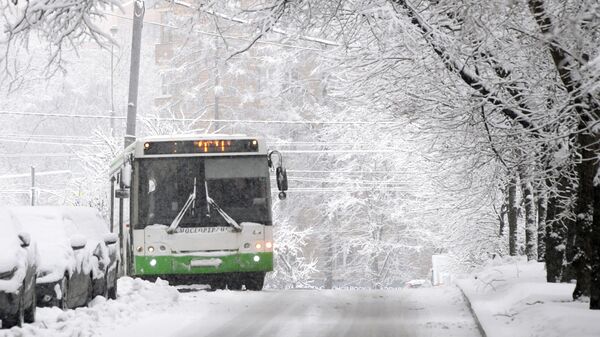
(76, 262)
(18, 259)
(90, 224)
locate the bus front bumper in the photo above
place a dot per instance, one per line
(189, 264)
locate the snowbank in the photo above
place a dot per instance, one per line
(511, 298)
(101, 316)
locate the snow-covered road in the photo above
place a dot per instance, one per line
(291, 313)
(146, 309)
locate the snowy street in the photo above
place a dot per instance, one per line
(143, 309)
(360, 313)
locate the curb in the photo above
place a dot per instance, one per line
(477, 322)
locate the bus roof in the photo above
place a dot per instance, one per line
(183, 137)
(137, 147)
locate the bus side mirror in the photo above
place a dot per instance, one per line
(282, 182)
(280, 174)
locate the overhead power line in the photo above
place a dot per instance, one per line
(344, 190)
(52, 137)
(346, 172)
(240, 38)
(335, 151)
(37, 174)
(273, 29)
(346, 181)
(45, 142)
(20, 155)
(15, 191)
(248, 121)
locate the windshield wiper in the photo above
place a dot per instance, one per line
(225, 216)
(191, 199)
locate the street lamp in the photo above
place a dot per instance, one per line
(113, 33)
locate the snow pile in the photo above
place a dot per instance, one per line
(511, 297)
(101, 316)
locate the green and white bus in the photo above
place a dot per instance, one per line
(196, 209)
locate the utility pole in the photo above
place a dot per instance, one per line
(32, 186)
(217, 90)
(134, 71)
(113, 33)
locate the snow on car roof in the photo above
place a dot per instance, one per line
(63, 220)
(9, 241)
(88, 221)
(51, 234)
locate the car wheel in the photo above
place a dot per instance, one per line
(105, 287)
(255, 282)
(63, 302)
(90, 290)
(18, 318)
(30, 312)
(112, 291)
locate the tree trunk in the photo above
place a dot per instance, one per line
(555, 242)
(503, 212)
(329, 256)
(595, 239)
(530, 229)
(501, 218)
(541, 233)
(569, 272)
(513, 211)
(584, 211)
(556, 227)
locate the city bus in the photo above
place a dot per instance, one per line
(196, 209)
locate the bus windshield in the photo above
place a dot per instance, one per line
(239, 185)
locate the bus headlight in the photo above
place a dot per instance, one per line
(256, 258)
(139, 249)
(150, 249)
(268, 245)
(153, 263)
(258, 245)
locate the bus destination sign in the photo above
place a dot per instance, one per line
(201, 146)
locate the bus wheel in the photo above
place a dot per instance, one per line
(235, 282)
(255, 281)
(218, 283)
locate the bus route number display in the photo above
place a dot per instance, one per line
(201, 146)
